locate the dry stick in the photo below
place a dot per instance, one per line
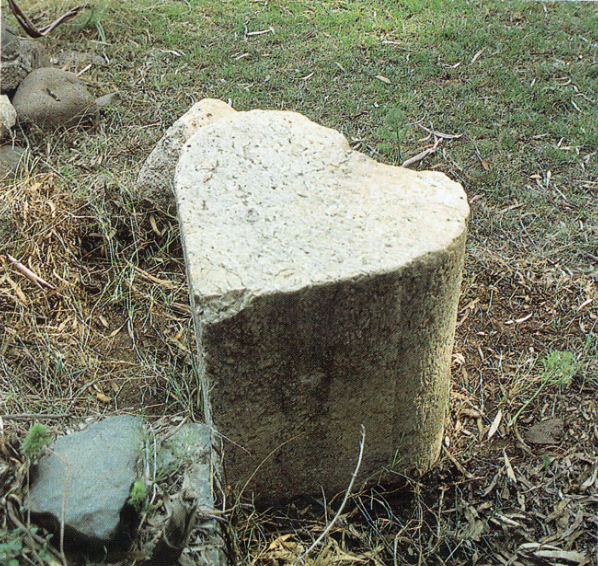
(32, 537)
(34, 416)
(29, 274)
(30, 28)
(63, 511)
(423, 154)
(303, 556)
(520, 440)
(440, 134)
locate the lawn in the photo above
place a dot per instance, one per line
(513, 88)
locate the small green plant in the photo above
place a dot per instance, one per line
(94, 17)
(546, 462)
(395, 121)
(36, 441)
(11, 547)
(559, 368)
(138, 495)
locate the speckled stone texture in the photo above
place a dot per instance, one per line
(324, 288)
(155, 182)
(18, 57)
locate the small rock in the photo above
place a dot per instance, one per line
(10, 43)
(190, 447)
(155, 182)
(545, 432)
(8, 116)
(10, 159)
(106, 100)
(88, 477)
(20, 56)
(51, 97)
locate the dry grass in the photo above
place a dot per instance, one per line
(106, 327)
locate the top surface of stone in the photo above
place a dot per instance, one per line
(90, 473)
(270, 200)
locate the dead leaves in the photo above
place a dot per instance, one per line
(551, 554)
(286, 550)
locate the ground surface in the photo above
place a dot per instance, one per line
(108, 328)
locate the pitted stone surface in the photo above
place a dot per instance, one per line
(324, 287)
(155, 182)
(88, 475)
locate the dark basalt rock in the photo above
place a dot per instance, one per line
(86, 481)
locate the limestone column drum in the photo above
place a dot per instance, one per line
(324, 288)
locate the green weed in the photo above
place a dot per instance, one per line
(138, 495)
(36, 441)
(11, 545)
(560, 368)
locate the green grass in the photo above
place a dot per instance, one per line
(525, 106)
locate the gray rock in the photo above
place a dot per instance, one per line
(155, 182)
(104, 101)
(50, 98)
(546, 432)
(8, 114)
(8, 117)
(324, 288)
(9, 41)
(20, 56)
(10, 159)
(87, 479)
(190, 447)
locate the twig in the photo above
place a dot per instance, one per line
(146, 275)
(31, 416)
(29, 274)
(520, 440)
(29, 26)
(440, 134)
(423, 154)
(32, 537)
(63, 508)
(302, 557)
(457, 464)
